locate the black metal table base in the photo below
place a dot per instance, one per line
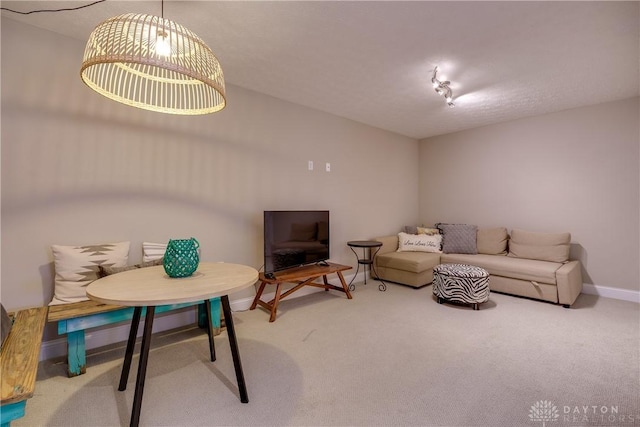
(366, 261)
(233, 343)
(146, 344)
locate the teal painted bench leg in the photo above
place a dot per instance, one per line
(202, 316)
(214, 308)
(11, 412)
(215, 313)
(74, 329)
(76, 353)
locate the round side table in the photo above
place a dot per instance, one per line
(366, 244)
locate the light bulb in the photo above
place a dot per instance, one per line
(163, 47)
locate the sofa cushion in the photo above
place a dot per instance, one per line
(153, 251)
(458, 238)
(415, 262)
(492, 241)
(389, 243)
(419, 229)
(428, 231)
(5, 323)
(77, 266)
(419, 243)
(552, 247)
(517, 268)
(410, 229)
(105, 271)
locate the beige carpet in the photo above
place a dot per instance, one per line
(381, 359)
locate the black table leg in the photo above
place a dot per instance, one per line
(228, 319)
(353, 287)
(142, 366)
(133, 332)
(212, 348)
(382, 286)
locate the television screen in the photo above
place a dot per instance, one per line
(295, 238)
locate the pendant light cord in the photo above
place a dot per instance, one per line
(52, 10)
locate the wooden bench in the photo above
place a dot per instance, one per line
(19, 360)
(74, 318)
(301, 276)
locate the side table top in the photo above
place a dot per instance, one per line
(364, 243)
(151, 286)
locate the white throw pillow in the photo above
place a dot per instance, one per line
(419, 243)
(77, 266)
(153, 251)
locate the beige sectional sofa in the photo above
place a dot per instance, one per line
(528, 264)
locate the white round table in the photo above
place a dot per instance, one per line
(150, 287)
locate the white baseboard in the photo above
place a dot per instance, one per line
(615, 293)
(101, 337)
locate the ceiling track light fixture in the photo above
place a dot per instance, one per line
(442, 88)
(153, 63)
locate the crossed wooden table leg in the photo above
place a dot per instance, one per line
(302, 276)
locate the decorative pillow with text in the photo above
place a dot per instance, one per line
(419, 243)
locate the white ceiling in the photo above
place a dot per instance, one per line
(372, 61)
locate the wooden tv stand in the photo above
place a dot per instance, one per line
(303, 276)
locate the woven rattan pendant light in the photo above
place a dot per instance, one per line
(155, 64)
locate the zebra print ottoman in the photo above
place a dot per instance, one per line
(461, 283)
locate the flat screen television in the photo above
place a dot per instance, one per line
(295, 238)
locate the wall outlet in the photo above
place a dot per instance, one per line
(328, 167)
(310, 165)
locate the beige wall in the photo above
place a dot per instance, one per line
(78, 168)
(576, 171)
